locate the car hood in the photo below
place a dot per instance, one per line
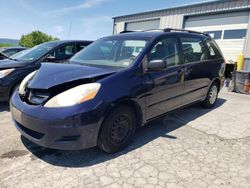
(51, 74)
(7, 63)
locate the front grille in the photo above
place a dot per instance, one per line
(30, 132)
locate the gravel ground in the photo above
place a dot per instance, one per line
(192, 147)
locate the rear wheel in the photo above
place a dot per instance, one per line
(211, 97)
(117, 130)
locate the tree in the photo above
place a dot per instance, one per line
(5, 45)
(34, 38)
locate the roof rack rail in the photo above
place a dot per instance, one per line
(185, 30)
(147, 30)
(168, 30)
(127, 32)
(141, 31)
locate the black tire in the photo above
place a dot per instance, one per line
(211, 97)
(117, 130)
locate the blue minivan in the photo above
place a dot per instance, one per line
(116, 85)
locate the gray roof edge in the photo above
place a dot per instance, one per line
(173, 8)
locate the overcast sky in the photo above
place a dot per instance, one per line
(91, 19)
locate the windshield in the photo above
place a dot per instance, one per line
(9, 52)
(34, 53)
(110, 52)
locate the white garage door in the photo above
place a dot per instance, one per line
(228, 29)
(142, 25)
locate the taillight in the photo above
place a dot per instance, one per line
(222, 69)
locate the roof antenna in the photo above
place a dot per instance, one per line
(70, 27)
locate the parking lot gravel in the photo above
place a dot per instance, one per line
(192, 147)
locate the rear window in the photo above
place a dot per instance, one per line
(235, 34)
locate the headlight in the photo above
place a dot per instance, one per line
(74, 96)
(6, 72)
(24, 83)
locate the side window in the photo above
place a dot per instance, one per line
(213, 52)
(193, 49)
(79, 47)
(63, 52)
(69, 50)
(166, 49)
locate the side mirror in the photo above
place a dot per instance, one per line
(157, 65)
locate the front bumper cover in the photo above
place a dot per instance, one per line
(63, 128)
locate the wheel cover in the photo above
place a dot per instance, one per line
(120, 129)
(213, 94)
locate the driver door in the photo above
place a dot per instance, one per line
(166, 86)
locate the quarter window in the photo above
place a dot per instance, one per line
(165, 49)
(193, 50)
(235, 34)
(213, 52)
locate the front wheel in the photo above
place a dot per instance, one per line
(211, 97)
(118, 130)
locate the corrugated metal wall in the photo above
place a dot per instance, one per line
(174, 17)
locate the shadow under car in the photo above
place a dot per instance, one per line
(161, 127)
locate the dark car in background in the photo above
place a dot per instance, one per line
(9, 51)
(16, 67)
(116, 85)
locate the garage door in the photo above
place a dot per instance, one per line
(143, 25)
(228, 29)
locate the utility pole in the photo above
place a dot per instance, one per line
(70, 27)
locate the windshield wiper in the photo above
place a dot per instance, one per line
(8, 57)
(12, 59)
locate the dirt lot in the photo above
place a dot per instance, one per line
(193, 147)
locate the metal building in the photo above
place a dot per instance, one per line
(228, 21)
